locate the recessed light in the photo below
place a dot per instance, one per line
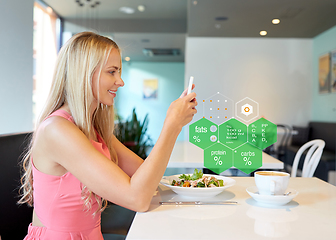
(127, 59)
(263, 33)
(195, 2)
(49, 10)
(127, 10)
(141, 8)
(276, 21)
(221, 18)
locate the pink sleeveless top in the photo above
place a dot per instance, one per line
(58, 203)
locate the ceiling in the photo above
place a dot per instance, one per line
(167, 23)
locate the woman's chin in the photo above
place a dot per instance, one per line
(108, 103)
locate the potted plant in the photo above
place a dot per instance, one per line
(133, 134)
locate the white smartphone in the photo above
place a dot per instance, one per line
(191, 81)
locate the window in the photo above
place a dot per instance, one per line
(46, 35)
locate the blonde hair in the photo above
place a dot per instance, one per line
(77, 61)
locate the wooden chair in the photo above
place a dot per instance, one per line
(311, 160)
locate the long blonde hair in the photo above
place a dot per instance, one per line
(77, 61)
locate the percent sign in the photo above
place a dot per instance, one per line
(217, 160)
(247, 161)
(197, 139)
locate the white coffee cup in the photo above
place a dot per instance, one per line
(271, 182)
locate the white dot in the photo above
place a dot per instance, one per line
(225, 100)
(218, 117)
(210, 108)
(217, 92)
(217, 100)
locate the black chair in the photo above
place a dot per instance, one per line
(282, 143)
(116, 221)
(14, 219)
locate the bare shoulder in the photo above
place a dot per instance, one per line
(54, 138)
(57, 128)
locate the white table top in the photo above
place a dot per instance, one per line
(310, 215)
(187, 155)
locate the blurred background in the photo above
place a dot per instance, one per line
(165, 42)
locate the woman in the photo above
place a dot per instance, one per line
(75, 163)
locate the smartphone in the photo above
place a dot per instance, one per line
(191, 81)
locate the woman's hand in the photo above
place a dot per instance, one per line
(182, 110)
(186, 91)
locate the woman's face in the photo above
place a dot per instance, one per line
(110, 79)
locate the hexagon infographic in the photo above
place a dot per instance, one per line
(218, 108)
(218, 158)
(203, 133)
(226, 141)
(262, 133)
(233, 133)
(247, 109)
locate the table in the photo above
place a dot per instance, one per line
(187, 155)
(310, 215)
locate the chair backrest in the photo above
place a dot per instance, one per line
(287, 133)
(14, 219)
(311, 160)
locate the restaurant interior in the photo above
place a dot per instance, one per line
(278, 55)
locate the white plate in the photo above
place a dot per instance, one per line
(271, 199)
(197, 192)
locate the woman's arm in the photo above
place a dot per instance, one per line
(128, 161)
(61, 142)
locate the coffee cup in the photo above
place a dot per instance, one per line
(271, 182)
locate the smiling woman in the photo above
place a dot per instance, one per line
(75, 164)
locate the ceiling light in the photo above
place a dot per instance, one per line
(141, 8)
(126, 10)
(49, 10)
(221, 18)
(276, 21)
(161, 52)
(263, 33)
(217, 25)
(127, 59)
(195, 2)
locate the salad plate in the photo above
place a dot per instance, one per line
(198, 192)
(273, 200)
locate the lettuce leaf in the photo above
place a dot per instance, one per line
(196, 175)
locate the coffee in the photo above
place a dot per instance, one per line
(272, 174)
(271, 182)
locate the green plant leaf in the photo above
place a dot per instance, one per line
(135, 132)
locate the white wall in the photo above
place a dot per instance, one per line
(277, 73)
(16, 66)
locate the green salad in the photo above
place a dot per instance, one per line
(197, 180)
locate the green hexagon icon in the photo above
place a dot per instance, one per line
(233, 133)
(262, 133)
(247, 158)
(203, 133)
(218, 158)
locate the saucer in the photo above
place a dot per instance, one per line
(276, 200)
